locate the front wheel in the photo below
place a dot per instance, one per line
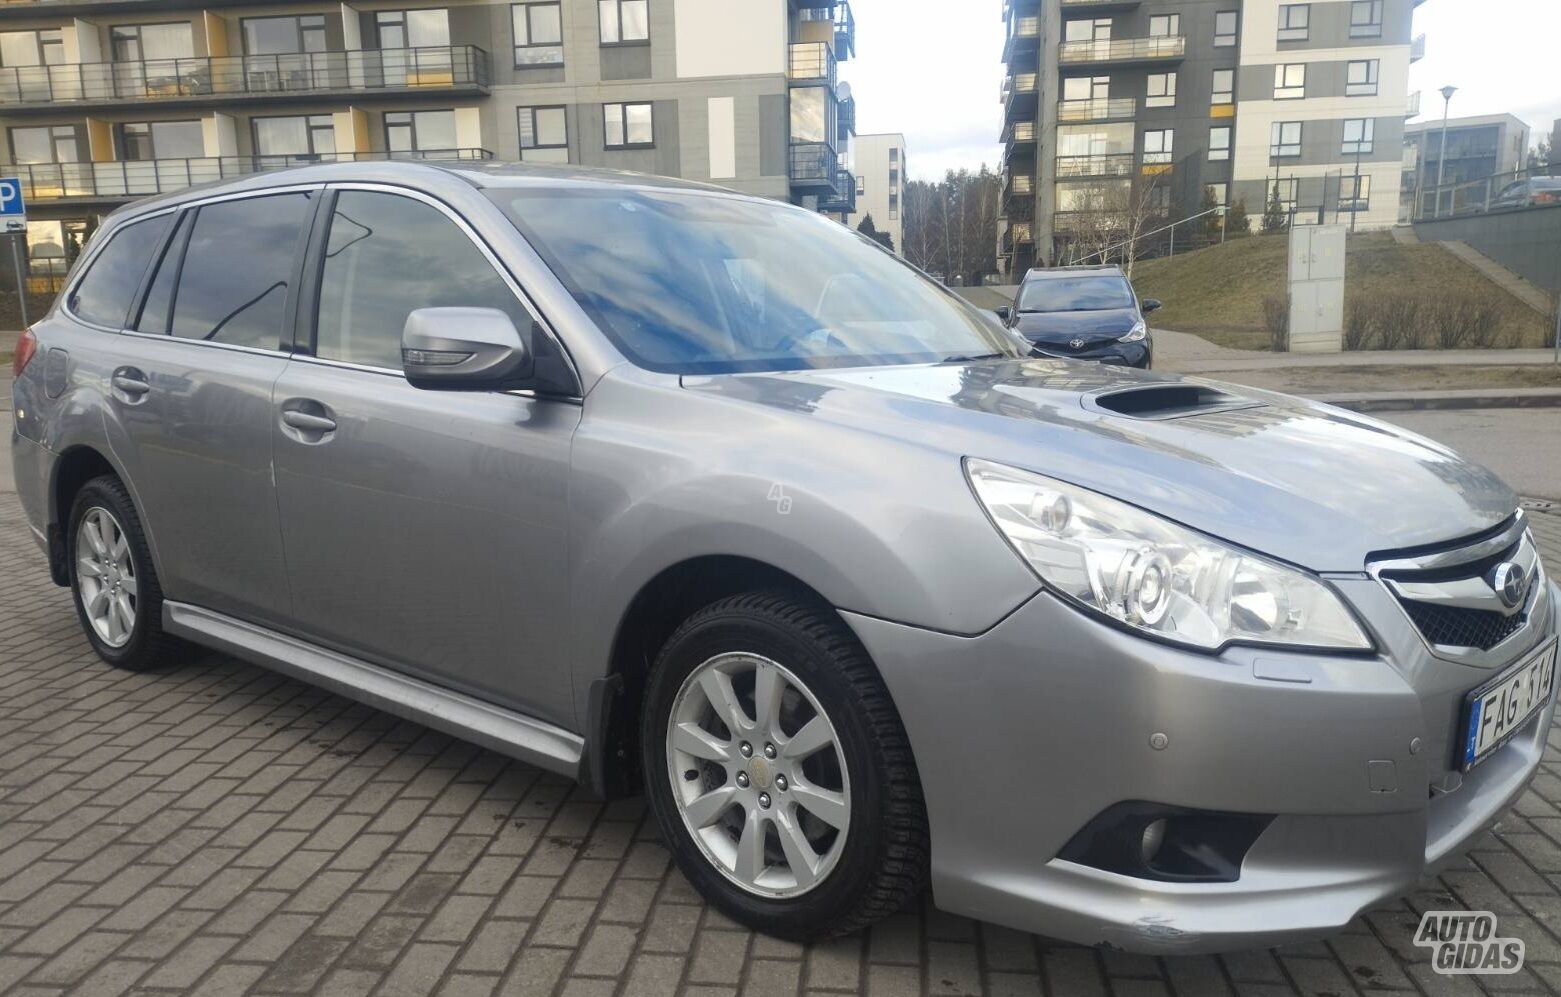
(778, 770)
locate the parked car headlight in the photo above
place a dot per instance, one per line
(1138, 332)
(1153, 575)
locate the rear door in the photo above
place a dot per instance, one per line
(424, 530)
(190, 384)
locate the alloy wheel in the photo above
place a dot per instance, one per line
(758, 775)
(105, 577)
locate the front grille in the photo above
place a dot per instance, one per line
(1453, 626)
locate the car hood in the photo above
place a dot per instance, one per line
(1297, 480)
(1061, 328)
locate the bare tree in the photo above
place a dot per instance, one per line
(951, 226)
(1114, 217)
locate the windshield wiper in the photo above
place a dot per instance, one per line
(972, 358)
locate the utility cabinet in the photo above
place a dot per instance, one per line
(1317, 288)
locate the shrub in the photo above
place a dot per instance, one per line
(1276, 318)
(1446, 320)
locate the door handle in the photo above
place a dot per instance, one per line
(130, 383)
(307, 422)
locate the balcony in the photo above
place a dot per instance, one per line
(1020, 7)
(43, 8)
(811, 62)
(1417, 49)
(846, 120)
(844, 23)
(126, 181)
(1094, 5)
(813, 167)
(1018, 186)
(1019, 133)
(1104, 109)
(207, 79)
(1123, 51)
(1114, 165)
(1017, 234)
(843, 200)
(1412, 106)
(1024, 35)
(1019, 95)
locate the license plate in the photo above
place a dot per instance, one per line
(1499, 709)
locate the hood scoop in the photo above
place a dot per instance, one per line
(1166, 401)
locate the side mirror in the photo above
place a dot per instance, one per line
(1003, 313)
(464, 349)
(1149, 304)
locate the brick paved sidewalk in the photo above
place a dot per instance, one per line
(221, 829)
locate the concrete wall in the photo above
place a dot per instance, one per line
(1526, 242)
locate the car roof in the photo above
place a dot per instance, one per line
(1052, 273)
(425, 175)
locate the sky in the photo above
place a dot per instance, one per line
(931, 69)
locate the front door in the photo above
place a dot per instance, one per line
(424, 530)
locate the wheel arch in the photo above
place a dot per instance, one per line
(74, 467)
(612, 766)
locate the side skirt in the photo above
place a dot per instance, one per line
(501, 730)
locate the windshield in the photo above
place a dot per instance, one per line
(693, 283)
(1076, 294)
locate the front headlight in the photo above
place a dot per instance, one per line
(1153, 575)
(1139, 331)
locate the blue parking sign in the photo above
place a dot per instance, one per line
(13, 213)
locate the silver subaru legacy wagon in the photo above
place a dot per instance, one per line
(690, 493)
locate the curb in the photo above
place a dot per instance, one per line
(1389, 401)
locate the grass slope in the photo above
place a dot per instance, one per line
(1218, 293)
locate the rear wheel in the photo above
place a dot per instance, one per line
(118, 599)
(778, 770)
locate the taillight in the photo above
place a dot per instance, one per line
(1546, 198)
(26, 346)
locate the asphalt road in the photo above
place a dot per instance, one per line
(1523, 445)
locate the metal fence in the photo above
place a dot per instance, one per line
(299, 72)
(1500, 192)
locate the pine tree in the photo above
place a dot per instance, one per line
(869, 229)
(1274, 217)
(1236, 223)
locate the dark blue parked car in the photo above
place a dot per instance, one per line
(1083, 313)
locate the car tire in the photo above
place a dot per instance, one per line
(863, 872)
(108, 560)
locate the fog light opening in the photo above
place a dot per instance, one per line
(1153, 838)
(1168, 844)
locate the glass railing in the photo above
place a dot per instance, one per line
(1114, 165)
(131, 179)
(300, 72)
(811, 61)
(813, 164)
(1102, 109)
(1124, 49)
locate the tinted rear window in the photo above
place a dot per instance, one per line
(103, 295)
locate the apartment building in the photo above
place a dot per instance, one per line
(879, 164)
(1142, 107)
(1477, 147)
(105, 101)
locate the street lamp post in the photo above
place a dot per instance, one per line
(1441, 159)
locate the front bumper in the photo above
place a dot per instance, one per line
(1139, 354)
(1025, 733)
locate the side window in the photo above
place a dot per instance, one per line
(386, 256)
(103, 295)
(159, 297)
(237, 267)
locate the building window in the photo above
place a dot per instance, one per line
(539, 34)
(1157, 145)
(1219, 193)
(861, 186)
(1285, 139)
(48, 144)
(1086, 88)
(624, 22)
(143, 141)
(413, 28)
(1358, 134)
(1360, 78)
(1366, 19)
(1294, 21)
(284, 35)
(1225, 26)
(1355, 193)
(1097, 30)
(1219, 144)
(1224, 87)
(894, 155)
(1162, 90)
(1286, 192)
(141, 42)
(1290, 81)
(416, 132)
(32, 48)
(1165, 25)
(312, 136)
(628, 126)
(894, 207)
(544, 135)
